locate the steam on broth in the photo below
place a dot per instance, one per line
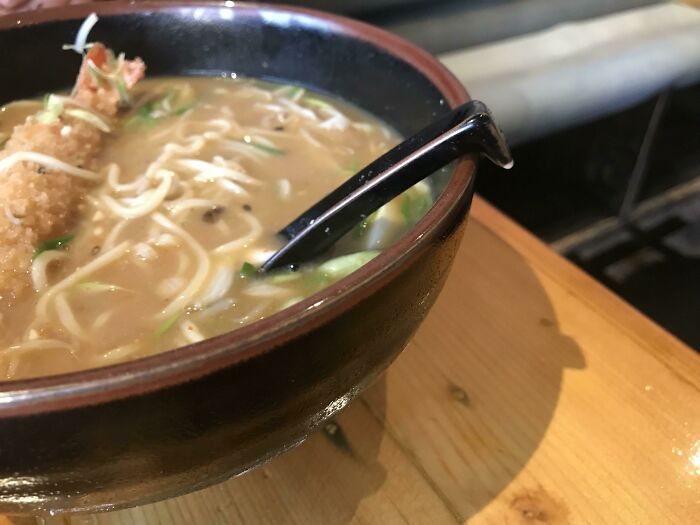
(194, 182)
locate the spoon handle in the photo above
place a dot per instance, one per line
(468, 128)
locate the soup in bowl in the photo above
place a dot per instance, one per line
(141, 355)
(192, 180)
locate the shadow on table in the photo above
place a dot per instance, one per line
(489, 363)
(321, 481)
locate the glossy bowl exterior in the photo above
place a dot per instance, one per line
(178, 421)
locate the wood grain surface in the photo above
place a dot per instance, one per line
(531, 395)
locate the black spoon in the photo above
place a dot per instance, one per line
(465, 129)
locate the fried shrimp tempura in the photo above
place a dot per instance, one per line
(39, 201)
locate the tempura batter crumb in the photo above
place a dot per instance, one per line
(37, 203)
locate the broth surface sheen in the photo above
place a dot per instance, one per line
(197, 180)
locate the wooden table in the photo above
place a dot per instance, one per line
(531, 395)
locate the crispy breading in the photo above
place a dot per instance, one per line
(40, 203)
(37, 203)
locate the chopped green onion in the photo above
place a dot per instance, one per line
(344, 265)
(180, 100)
(124, 98)
(270, 150)
(352, 168)
(172, 102)
(317, 102)
(89, 117)
(96, 73)
(247, 270)
(294, 91)
(182, 110)
(141, 116)
(53, 107)
(95, 286)
(114, 78)
(93, 74)
(167, 324)
(58, 243)
(363, 126)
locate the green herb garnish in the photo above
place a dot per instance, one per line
(95, 74)
(167, 325)
(142, 116)
(124, 98)
(351, 168)
(294, 91)
(172, 102)
(344, 265)
(58, 243)
(247, 270)
(267, 149)
(317, 102)
(270, 150)
(53, 107)
(363, 126)
(182, 110)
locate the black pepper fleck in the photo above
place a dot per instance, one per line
(41, 170)
(247, 207)
(213, 214)
(95, 250)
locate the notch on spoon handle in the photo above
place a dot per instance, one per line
(468, 128)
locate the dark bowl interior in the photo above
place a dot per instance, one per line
(204, 41)
(165, 425)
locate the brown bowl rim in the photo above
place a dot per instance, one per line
(113, 382)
